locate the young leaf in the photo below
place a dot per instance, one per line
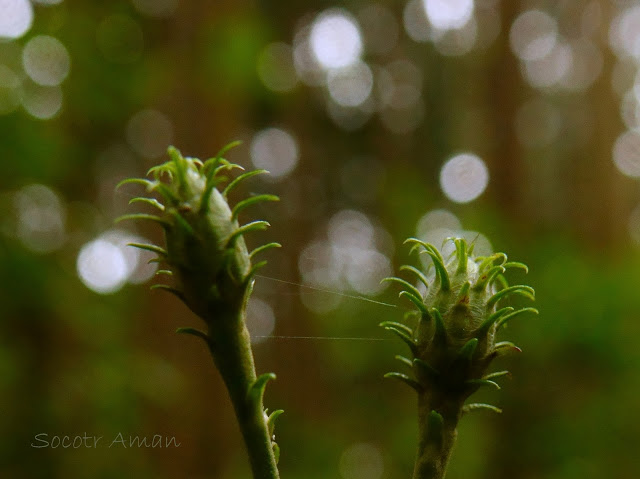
(248, 228)
(415, 300)
(193, 332)
(417, 272)
(521, 289)
(249, 202)
(256, 391)
(483, 382)
(150, 201)
(232, 185)
(141, 216)
(405, 379)
(149, 247)
(264, 247)
(467, 408)
(507, 317)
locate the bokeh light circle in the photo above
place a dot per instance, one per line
(626, 154)
(41, 217)
(448, 14)
(10, 90)
(156, 8)
(260, 320)
(464, 177)
(336, 41)
(274, 150)
(46, 60)
(533, 35)
(350, 86)
(276, 68)
(16, 17)
(149, 132)
(102, 266)
(42, 102)
(361, 461)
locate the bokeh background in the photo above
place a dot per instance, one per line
(512, 123)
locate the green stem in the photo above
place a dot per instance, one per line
(436, 437)
(234, 359)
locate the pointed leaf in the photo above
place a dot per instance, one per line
(138, 181)
(211, 162)
(435, 428)
(149, 247)
(504, 347)
(249, 202)
(502, 281)
(141, 216)
(506, 318)
(483, 382)
(231, 186)
(193, 332)
(226, 166)
(497, 374)
(417, 272)
(256, 391)
(182, 223)
(150, 201)
(489, 260)
(410, 288)
(179, 294)
(401, 326)
(466, 352)
(516, 264)
(264, 247)
(415, 300)
(271, 420)
(166, 193)
(403, 360)
(461, 250)
(486, 325)
(180, 166)
(441, 271)
(521, 289)
(488, 276)
(248, 228)
(440, 335)
(411, 315)
(467, 408)
(168, 168)
(254, 269)
(164, 271)
(472, 246)
(404, 337)
(405, 379)
(206, 195)
(417, 242)
(435, 250)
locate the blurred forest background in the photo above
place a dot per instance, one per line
(514, 123)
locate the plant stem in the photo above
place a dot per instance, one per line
(436, 437)
(234, 359)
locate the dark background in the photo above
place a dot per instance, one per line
(93, 92)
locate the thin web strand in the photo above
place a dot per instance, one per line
(338, 293)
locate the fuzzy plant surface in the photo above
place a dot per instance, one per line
(454, 341)
(211, 270)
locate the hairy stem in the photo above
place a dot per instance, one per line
(234, 359)
(437, 421)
